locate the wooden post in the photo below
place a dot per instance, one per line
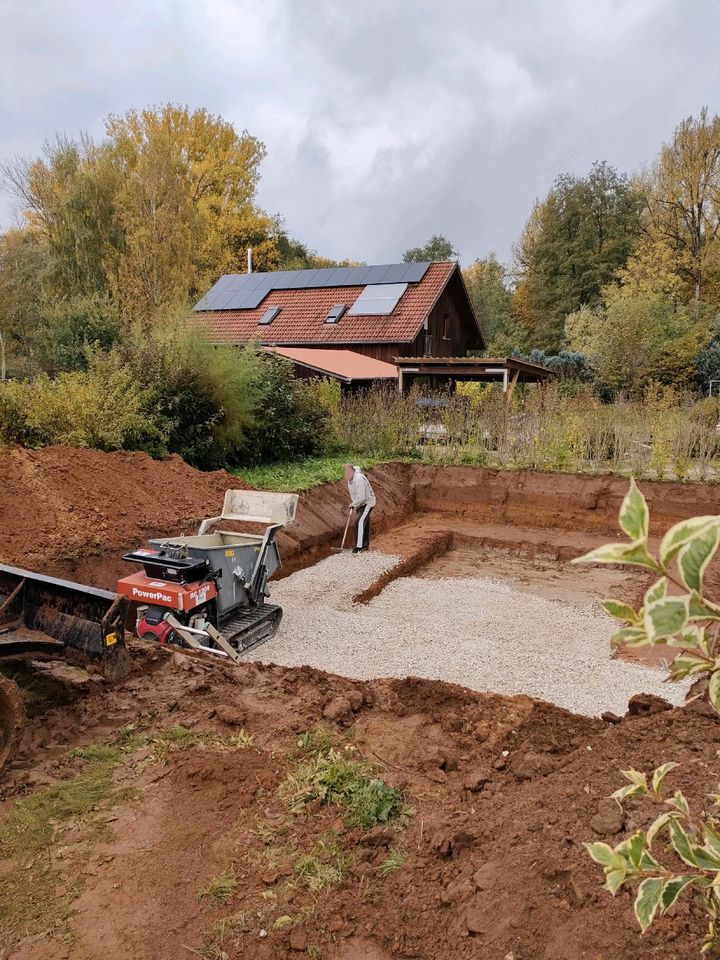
(508, 390)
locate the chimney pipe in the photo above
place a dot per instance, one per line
(249, 259)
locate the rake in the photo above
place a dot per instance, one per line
(342, 548)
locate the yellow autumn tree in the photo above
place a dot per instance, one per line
(681, 221)
(186, 205)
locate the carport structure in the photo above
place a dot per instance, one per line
(442, 371)
(447, 371)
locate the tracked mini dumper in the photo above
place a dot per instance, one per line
(208, 591)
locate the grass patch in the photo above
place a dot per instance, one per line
(394, 861)
(219, 890)
(33, 820)
(350, 784)
(40, 889)
(324, 866)
(223, 936)
(300, 474)
(321, 739)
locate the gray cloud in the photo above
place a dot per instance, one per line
(384, 122)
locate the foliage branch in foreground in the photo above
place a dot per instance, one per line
(686, 619)
(695, 841)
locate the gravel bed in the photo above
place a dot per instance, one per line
(478, 632)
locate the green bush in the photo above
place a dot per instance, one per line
(65, 330)
(291, 419)
(102, 407)
(203, 397)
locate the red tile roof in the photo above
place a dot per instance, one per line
(303, 311)
(345, 364)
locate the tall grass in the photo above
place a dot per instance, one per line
(546, 427)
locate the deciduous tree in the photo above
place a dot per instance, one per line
(572, 245)
(438, 247)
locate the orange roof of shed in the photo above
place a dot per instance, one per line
(344, 364)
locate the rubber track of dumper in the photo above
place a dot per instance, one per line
(12, 719)
(249, 628)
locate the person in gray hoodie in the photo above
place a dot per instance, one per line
(362, 501)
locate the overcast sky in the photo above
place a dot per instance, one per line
(385, 120)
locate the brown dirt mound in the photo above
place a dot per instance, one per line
(68, 511)
(503, 791)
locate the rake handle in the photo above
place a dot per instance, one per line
(347, 525)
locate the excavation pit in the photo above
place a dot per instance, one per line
(473, 584)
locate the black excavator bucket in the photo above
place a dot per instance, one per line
(44, 617)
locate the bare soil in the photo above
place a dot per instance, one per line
(503, 792)
(503, 789)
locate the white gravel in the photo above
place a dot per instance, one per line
(475, 631)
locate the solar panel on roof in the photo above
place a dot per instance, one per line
(247, 290)
(415, 272)
(396, 273)
(335, 276)
(377, 300)
(378, 273)
(358, 276)
(254, 298)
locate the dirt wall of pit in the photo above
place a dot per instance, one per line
(554, 500)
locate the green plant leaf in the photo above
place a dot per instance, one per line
(604, 854)
(633, 848)
(658, 591)
(712, 838)
(614, 879)
(649, 897)
(620, 611)
(666, 617)
(659, 775)
(679, 802)
(633, 554)
(673, 888)
(637, 785)
(702, 609)
(681, 843)
(688, 664)
(706, 859)
(694, 557)
(656, 826)
(648, 862)
(630, 637)
(692, 637)
(714, 690)
(682, 533)
(634, 514)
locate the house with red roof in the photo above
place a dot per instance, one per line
(350, 323)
